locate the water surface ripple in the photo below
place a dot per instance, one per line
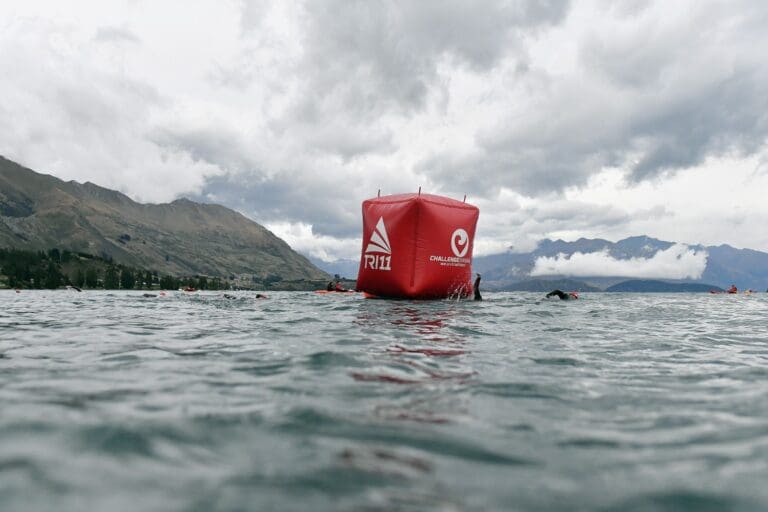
(625, 402)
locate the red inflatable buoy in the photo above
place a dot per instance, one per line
(417, 246)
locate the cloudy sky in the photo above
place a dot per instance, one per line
(558, 119)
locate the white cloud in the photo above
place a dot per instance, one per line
(677, 262)
(78, 118)
(301, 238)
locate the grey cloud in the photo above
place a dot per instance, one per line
(252, 14)
(661, 97)
(762, 165)
(578, 214)
(339, 135)
(385, 54)
(317, 104)
(524, 168)
(290, 194)
(654, 213)
(77, 120)
(115, 35)
(351, 143)
(288, 197)
(239, 76)
(727, 117)
(625, 8)
(559, 214)
(522, 228)
(361, 61)
(302, 191)
(219, 146)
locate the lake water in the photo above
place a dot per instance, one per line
(308, 402)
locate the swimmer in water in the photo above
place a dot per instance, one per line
(476, 288)
(562, 295)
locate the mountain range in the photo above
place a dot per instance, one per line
(725, 265)
(40, 212)
(653, 286)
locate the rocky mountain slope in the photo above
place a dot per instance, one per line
(39, 212)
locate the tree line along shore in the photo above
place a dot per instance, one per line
(56, 268)
(52, 269)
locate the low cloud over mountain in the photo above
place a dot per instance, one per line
(677, 262)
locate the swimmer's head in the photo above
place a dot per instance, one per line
(574, 295)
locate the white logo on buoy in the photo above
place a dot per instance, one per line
(378, 254)
(460, 238)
